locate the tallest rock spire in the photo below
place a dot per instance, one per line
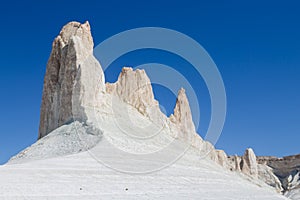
(71, 62)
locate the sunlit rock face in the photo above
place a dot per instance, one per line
(287, 173)
(182, 113)
(71, 60)
(134, 87)
(249, 164)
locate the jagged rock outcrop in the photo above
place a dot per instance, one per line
(237, 163)
(245, 164)
(134, 87)
(266, 174)
(248, 164)
(282, 166)
(74, 80)
(292, 181)
(280, 173)
(234, 163)
(71, 63)
(286, 170)
(182, 113)
(221, 158)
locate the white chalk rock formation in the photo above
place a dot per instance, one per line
(249, 164)
(134, 87)
(71, 62)
(266, 174)
(237, 163)
(221, 158)
(182, 114)
(74, 81)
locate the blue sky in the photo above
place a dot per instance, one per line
(256, 46)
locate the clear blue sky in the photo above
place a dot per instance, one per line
(256, 46)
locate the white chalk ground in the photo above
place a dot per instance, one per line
(293, 194)
(80, 176)
(58, 167)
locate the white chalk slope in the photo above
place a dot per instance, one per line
(80, 176)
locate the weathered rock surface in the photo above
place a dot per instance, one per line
(286, 169)
(221, 158)
(283, 174)
(134, 87)
(248, 163)
(72, 50)
(282, 166)
(182, 113)
(237, 163)
(266, 174)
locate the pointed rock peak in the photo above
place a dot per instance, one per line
(182, 112)
(126, 69)
(83, 31)
(139, 76)
(237, 162)
(221, 157)
(72, 50)
(181, 93)
(250, 152)
(250, 155)
(134, 87)
(249, 163)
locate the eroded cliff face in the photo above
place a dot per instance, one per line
(248, 163)
(74, 80)
(283, 174)
(134, 87)
(182, 113)
(71, 60)
(286, 169)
